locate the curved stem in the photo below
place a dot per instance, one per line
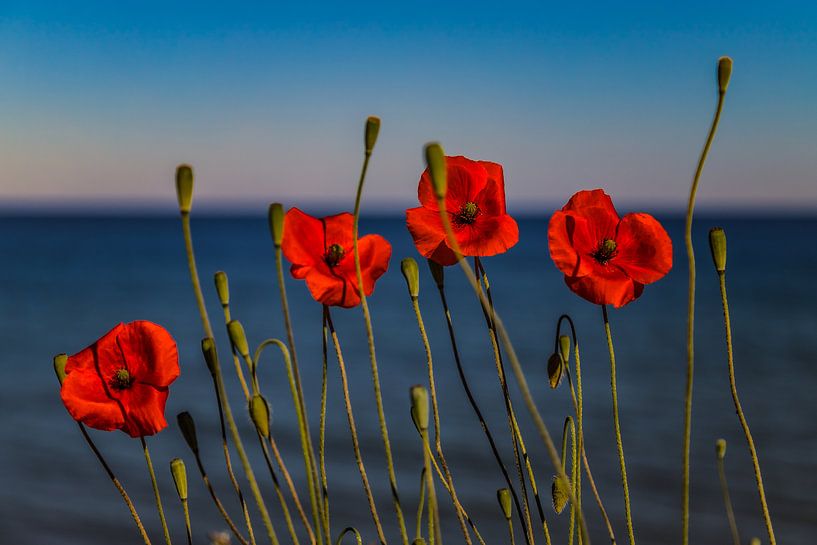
(156, 494)
(767, 519)
(194, 275)
(282, 500)
(617, 426)
(727, 501)
(346, 531)
(219, 505)
(691, 322)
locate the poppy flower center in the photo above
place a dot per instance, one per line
(467, 214)
(121, 379)
(606, 251)
(334, 254)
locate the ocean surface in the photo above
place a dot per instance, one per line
(65, 281)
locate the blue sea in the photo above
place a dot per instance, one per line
(66, 280)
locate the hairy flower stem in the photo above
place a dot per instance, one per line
(188, 529)
(156, 494)
(727, 501)
(322, 430)
(436, 415)
(352, 428)
(418, 528)
(281, 499)
(691, 321)
(220, 506)
(223, 402)
(384, 432)
(434, 533)
(570, 430)
(767, 519)
(116, 483)
(617, 427)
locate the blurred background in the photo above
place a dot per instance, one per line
(100, 102)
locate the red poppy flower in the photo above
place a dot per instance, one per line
(475, 203)
(120, 382)
(321, 251)
(607, 259)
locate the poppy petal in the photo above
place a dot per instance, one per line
(303, 241)
(103, 357)
(570, 243)
(150, 353)
(496, 178)
(338, 230)
(606, 285)
(426, 228)
(644, 249)
(375, 252)
(488, 235)
(443, 255)
(144, 409)
(466, 179)
(84, 395)
(597, 207)
(330, 289)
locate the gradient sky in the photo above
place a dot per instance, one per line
(100, 100)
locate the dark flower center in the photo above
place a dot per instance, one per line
(121, 380)
(334, 254)
(606, 251)
(467, 214)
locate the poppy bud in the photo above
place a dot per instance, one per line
(222, 287)
(437, 272)
(717, 245)
(419, 407)
(560, 490)
(59, 366)
(555, 370)
(755, 541)
(184, 187)
(564, 347)
(720, 449)
(372, 128)
(188, 428)
(419, 541)
(435, 159)
(503, 495)
(275, 217)
(179, 473)
(724, 73)
(260, 414)
(412, 275)
(208, 348)
(238, 337)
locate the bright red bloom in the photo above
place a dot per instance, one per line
(120, 382)
(321, 251)
(607, 259)
(475, 203)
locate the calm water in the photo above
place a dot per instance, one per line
(66, 281)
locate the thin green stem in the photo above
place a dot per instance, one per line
(384, 432)
(767, 519)
(282, 500)
(352, 428)
(116, 483)
(510, 532)
(292, 490)
(219, 505)
(194, 275)
(186, 510)
(690, 371)
(346, 531)
(617, 427)
(156, 494)
(727, 501)
(418, 526)
(434, 533)
(322, 431)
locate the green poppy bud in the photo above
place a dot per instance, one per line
(435, 159)
(222, 288)
(717, 245)
(419, 407)
(188, 428)
(59, 366)
(560, 490)
(720, 449)
(208, 348)
(276, 223)
(179, 473)
(412, 275)
(503, 495)
(260, 414)
(419, 541)
(372, 129)
(555, 370)
(564, 347)
(184, 187)
(238, 337)
(724, 73)
(437, 272)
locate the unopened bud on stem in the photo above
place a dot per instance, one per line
(222, 288)
(503, 495)
(188, 428)
(179, 473)
(419, 407)
(275, 217)
(59, 366)
(720, 449)
(208, 348)
(184, 187)
(238, 338)
(435, 159)
(564, 347)
(412, 275)
(260, 414)
(724, 73)
(372, 129)
(717, 245)
(555, 370)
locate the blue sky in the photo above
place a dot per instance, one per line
(100, 101)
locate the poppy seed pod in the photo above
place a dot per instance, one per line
(720, 449)
(59, 366)
(260, 414)
(188, 428)
(564, 347)
(555, 370)
(419, 407)
(560, 490)
(208, 348)
(724, 73)
(238, 338)
(503, 495)
(412, 275)
(717, 245)
(275, 217)
(372, 129)
(184, 187)
(179, 473)
(435, 159)
(222, 288)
